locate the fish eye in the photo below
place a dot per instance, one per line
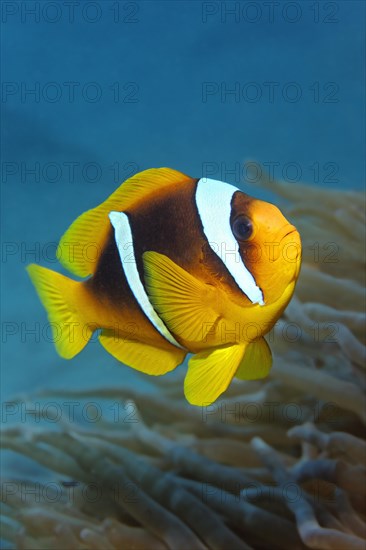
(242, 228)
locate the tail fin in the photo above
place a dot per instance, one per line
(67, 303)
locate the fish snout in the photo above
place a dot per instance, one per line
(290, 252)
(291, 244)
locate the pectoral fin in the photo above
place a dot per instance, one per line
(210, 373)
(187, 306)
(140, 356)
(256, 362)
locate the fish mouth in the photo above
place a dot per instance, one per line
(290, 243)
(290, 234)
(289, 230)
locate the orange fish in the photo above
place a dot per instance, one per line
(180, 265)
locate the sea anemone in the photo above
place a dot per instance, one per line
(276, 463)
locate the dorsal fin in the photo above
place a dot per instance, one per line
(82, 244)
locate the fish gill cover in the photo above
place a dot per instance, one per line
(276, 463)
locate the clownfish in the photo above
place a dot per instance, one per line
(180, 265)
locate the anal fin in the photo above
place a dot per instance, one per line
(140, 356)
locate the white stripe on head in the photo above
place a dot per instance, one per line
(213, 199)
(124, 241)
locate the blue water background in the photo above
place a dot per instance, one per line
(174, 64)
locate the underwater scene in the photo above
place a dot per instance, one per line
(183, 275)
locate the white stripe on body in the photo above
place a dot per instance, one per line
(124, 239)
(213, 200)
